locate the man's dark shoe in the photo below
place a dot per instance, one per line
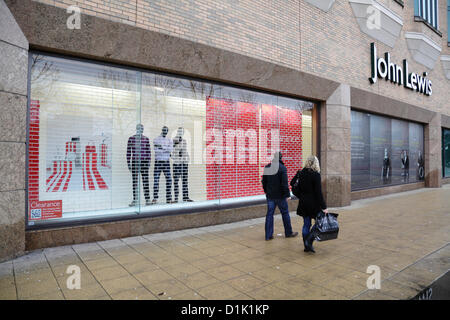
(269, 239)
(292, 235)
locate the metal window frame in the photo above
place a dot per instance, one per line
(427, 11)
(444, 130)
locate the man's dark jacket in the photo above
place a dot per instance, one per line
(311, 199)
(276, 186)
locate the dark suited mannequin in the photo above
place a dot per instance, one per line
(405, 164)
(180, 158)
(138, 160)
(386, 166)
(420, 167)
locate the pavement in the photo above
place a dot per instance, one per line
(405, 235)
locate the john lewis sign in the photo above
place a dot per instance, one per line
(384, 68)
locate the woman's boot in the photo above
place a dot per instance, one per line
(309, 241)
(304, 243)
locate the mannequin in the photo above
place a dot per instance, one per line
(386, 165)
(405, 164)
(138, 160)
(421, 168)
(180, 157)
(163, 149)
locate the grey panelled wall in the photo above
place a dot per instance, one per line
(13, 111)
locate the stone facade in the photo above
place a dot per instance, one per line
(290, 47)
(335, 129)
(13, 114)
(292, 33)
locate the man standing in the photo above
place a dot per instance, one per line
(163, 148)
(138, 160)
(275, 185)
(180, 157)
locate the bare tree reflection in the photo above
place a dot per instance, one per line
(122, 80)
(200, 90)
(44, 74)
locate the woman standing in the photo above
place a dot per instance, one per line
(311, 200)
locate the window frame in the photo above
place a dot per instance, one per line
(427, 11)
(444, 131)
(370, 187)
(448, 23)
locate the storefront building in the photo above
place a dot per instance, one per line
(122, 118)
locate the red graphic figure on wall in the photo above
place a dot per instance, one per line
(91, 176)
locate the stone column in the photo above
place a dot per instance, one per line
(13, 116)
(433, 152)
(335, 152)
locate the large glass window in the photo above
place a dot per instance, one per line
(108, 141)
(385, 151)
(448, 22)
(446, 153)
(428, 11)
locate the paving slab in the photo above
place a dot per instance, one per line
(405, 235)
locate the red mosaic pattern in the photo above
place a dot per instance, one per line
(241, 138)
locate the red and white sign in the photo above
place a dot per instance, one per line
(41, 210)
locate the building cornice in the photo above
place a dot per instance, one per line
(423, 50)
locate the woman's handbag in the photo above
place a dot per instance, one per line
(326, 226)
(295, 184)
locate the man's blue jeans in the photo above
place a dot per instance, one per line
(306, 226)
(283, 206)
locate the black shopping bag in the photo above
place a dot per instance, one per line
(326, 226)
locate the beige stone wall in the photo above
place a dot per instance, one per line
(265, 29)
(291, 33)
(344, 54)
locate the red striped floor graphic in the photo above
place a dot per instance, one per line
(62, 173)
(90, 170)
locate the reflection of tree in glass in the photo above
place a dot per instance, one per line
(199, 90)
(156, 90)
(240, 95)
(123, 80)
(43, 75)
(304, 105)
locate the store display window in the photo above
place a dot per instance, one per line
(446, 153)
(385, 151)
(107, 141)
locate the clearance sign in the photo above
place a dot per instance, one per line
(41, 210)
(384, 68)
